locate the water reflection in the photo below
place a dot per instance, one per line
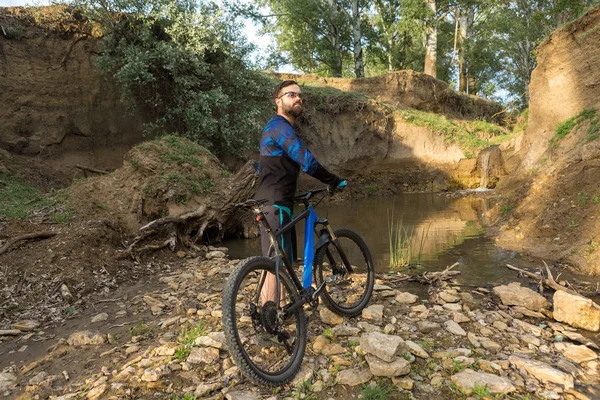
(451, 228)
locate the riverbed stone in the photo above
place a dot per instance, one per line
(345, 330)
(329, 317)
(416, 349)
(542, 371)
(206, 355)
(100, 317)
(85, 338)
(7, 380)
(527, 327)
(459, 317)
(406, 298)
(354, 376)
(578, 354)
(514, 294)
(576, 311)
(205, 388)
(448, 298)
(333, 349)
(374, 312)
(454, 328)
(428, 326)
(452, 306)
(397, 367)
(466, 380)
(386, 347)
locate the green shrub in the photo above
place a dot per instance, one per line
(565, 127)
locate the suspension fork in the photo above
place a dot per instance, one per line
(334, 240)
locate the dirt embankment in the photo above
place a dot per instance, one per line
(552, 201)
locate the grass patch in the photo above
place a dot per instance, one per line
(565, 127)
(371, 189)
(140, 328)
(378, 391)
(187, 337)
(471, 137)
(305, 391)
(19, 199)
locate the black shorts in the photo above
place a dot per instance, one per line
(278, 216)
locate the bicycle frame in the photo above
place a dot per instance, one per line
(325, 235)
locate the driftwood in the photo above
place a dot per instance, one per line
(29, 236)
(216, 215)
(94, 170)
(548, 282)
(428, 278)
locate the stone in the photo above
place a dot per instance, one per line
(578, 354)
(454, 328)
(7, 380)
(39, 378)
(374, 312)
(97, 391)
(501, 326)
(428, 326)
(329, 317)
(416, 349)
(206, 388)
(452, 306)
(515, 295)
(403, 383)
(345, 330)
(26, 325)
(386, 347)
(397, 367)
(576, 311)
(474, 339)
(86, 338)
(152, 302)
(490, 345)
(10, 332)
(100, 317)
(215, 254)
(448, 298)
(207, 341)
(467, 380)
(305, 374)
(367, 327)
(320, 342)
(354, 376)
(542, 371)
(239, 395)
(527, 327)
(406, 298)
(169, 322)
(332, 349)
(528, 312)
(459, 317)
(206, 355)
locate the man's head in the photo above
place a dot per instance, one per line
(288, 99)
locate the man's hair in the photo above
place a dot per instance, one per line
(283, 84)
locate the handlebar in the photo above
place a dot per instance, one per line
(302, 197)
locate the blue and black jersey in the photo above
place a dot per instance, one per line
(282, 156)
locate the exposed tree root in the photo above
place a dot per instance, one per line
(549, 282)
(217, 214)
(29, 236)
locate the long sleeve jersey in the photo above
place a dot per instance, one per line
(282, 156)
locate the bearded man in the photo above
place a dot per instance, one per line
(282, 156)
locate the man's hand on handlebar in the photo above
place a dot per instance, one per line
(332, 189)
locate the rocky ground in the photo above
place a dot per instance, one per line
(163, 339)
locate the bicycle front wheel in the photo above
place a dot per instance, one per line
(346, 292)
(267, 346)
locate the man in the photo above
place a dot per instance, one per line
(282, 156)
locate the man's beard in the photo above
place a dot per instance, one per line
(294, 110)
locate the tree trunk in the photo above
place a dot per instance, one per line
(359, 68)
(465, 20)
(334, 37)
(431, 42)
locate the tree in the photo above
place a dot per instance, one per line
(359, 68)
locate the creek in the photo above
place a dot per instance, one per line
(448, 229)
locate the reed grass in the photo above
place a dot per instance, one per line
(406, 248)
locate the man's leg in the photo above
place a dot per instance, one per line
(276, 217)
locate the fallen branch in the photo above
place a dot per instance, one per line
(442, 275)
(97, 171)
(550, 282)
(29, 236)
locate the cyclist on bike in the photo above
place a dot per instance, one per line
(282, 156)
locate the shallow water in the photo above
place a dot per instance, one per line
(450, 230)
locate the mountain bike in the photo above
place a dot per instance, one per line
(267, 338)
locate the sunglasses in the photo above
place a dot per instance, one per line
(292, 95)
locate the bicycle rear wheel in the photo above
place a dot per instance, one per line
(266, 348)
(346, 293)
